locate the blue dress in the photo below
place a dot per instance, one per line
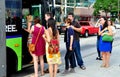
(104, 46)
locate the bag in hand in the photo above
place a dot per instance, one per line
(107, 38)
(32, 47)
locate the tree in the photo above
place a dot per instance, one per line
(105, 5)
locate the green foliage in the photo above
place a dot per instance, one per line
(106, 6)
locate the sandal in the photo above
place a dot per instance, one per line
(103, 65)
(31, 62)
(46, 71)
(107, 66)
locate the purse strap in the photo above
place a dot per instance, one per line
(38, 35)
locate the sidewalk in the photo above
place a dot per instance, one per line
(93, 68)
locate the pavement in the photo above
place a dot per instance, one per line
(93, 68)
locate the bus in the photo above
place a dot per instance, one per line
(2, 40)
(17, 55)
(14, 54)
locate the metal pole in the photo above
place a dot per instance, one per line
(3, 68)
(118, 9)
(62, 15)
(65, 7)
(74, 4)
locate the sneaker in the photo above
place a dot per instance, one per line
(65, 72)
(82, 67)
(72, 70)
(46, 71)
(98, 58)
(58, 70)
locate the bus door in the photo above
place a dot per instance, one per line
(2, 40)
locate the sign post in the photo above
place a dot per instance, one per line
(2, 40)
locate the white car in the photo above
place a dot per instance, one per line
(117, 26)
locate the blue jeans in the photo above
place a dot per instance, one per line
(99, 53)
(77, 52)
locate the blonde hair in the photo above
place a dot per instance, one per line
(29, 18)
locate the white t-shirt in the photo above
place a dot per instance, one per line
(113, 30)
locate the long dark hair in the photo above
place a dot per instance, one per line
(106, 23)
(51, 23)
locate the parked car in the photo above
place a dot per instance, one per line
(88, 28)
(61, 27)
(117, 26)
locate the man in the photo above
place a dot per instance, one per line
(48, 16)
(77, 29)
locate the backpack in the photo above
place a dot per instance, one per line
(53, 47)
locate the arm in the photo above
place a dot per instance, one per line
(76, 27)
(71, 31)
(71, 41)
(31, 30)
(110, 31)
(28, 27)
(102, 32)
(46, 36)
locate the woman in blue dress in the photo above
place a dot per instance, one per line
(105, 47)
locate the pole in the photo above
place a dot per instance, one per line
(62, 14)
(65, 7)
(118, 9)
(3, 72)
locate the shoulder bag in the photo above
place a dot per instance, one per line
(32, 46)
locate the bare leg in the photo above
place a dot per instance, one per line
(35, 58)
(107, 58)
(31, 55)
(103, 56)
(55, 69)
(32, 58)
(42, 65)
(51, 70)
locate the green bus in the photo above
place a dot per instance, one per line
(17, 54)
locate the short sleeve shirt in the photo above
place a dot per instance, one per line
(76, 34)
(70, 32)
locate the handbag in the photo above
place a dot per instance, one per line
(32, 46)
(107, 38)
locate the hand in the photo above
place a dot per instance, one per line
(70, 48)
(105, 29)
(103, 33)
(72, 27)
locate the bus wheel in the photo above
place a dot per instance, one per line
(11, 62)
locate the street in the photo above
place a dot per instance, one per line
(89, 53)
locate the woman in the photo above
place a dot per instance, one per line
(105, 47)
(110, 23)
(29, 22)
(98, 37)
(40, 45)
(52, 59)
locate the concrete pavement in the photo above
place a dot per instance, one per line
(93, 68)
